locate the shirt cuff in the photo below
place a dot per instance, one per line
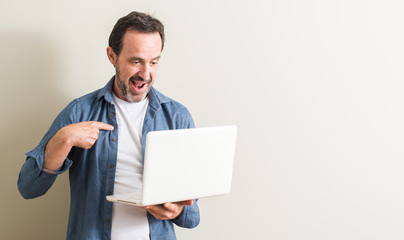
(48, 171)
(66, 165)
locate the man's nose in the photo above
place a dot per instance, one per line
(145, 72)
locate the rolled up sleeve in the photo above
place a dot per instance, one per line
(32, 180)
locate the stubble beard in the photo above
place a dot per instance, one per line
(124, 89)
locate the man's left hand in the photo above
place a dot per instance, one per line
(168, 210)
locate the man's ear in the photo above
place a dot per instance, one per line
(111, 56)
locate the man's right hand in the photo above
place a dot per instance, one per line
(83, 135)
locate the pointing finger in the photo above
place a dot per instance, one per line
(103, 126)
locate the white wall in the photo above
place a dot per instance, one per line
(315, 88)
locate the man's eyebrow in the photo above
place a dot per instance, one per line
(142, 59)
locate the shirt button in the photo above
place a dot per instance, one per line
(114, 139)
(107, 221)
(112, 115)
(109, 193)
(111, 166)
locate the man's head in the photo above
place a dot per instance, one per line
(135, 45)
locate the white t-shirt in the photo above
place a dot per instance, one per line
(129, 222)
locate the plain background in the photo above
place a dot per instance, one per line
(315, 88)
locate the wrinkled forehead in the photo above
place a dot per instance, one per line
(144, 45)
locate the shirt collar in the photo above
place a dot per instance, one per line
(106, 92)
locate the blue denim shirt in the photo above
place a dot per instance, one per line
(92, 171)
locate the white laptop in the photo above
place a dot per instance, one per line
(185, 164)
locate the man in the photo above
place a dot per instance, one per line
(100, 139)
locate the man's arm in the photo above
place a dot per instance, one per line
(83, 135)
(43, 164)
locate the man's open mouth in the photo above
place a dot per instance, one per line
(138, 86)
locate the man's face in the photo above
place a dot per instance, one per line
(136, 66)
